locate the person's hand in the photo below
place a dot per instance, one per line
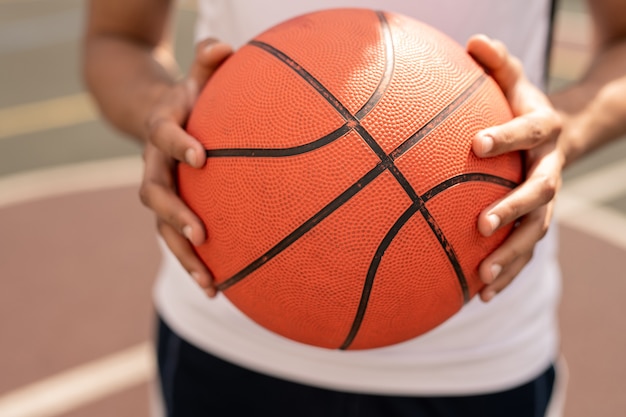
(534, 130)
(167, 144)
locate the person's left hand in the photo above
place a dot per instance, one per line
(534, 130)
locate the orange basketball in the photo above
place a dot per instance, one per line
(341, 193)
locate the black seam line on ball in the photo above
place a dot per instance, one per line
(310, 79)
(386, 163)
(448, 249)
(281, 152)
(415, 197)
(351, 120)
(395, 229)
(468, 177)
(305, 227)
(385, 80)
(323, 91)
(439, 118)
(387, 160)
(373, 269)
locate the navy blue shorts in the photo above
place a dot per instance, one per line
(195, 383)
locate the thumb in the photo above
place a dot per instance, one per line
(210, 54)
(494, 57)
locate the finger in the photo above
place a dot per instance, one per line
(519, 244)
(166, 133)
(505, 278)
(210, 54)
(521, 133)
(531, 195)
(538, 189)
(182, 249)
(495, 58)
(158, 192)
(165, 129)
(173, 211)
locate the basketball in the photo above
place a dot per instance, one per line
(341, 193)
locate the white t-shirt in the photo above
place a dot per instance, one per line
(486, 346)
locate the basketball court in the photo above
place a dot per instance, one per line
(78, 252)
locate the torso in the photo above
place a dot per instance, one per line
(485, 347)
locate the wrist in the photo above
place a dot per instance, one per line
(127, 80)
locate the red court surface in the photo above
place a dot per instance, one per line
(78, 252)
(77, 276)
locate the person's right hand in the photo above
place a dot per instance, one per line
(167, 144)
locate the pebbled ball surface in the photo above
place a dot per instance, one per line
(341, 193)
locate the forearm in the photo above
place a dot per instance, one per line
(124, 66)
(594, 109)
(126, 79)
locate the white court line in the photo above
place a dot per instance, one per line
(601, 185)
(46, 114)
(84, 176)
(579, 204)
(81, 385)
(592, 219)
(99, 379)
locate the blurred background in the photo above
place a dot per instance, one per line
(78, 252)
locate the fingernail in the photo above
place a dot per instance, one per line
(187, 232)
(494, 221)
(495, 271)
(190, 157)
(488, 295)
(486, 143)
(211, 292)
